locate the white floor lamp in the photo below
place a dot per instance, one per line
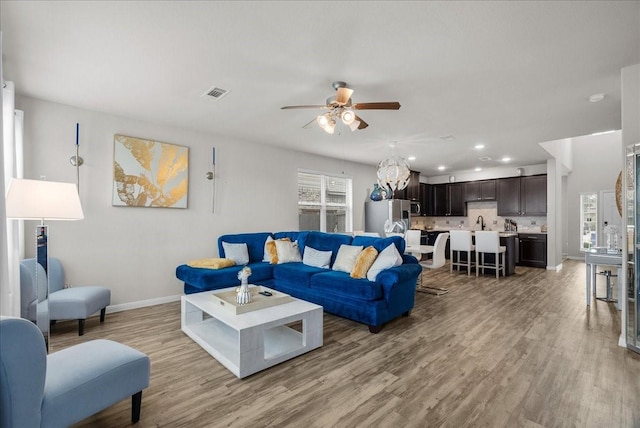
(41, 200)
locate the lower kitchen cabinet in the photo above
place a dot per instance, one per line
(533, 249)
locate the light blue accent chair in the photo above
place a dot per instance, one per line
(78, 302)
(67, 386)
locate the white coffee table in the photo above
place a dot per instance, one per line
(252, 341)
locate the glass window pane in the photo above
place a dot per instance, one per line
(309, 187)
(309, 218)
(336, 190)
(588, 221)
(324, 202)
(336, 220)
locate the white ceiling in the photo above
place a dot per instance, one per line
(509, 75)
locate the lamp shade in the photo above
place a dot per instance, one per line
(40, 200)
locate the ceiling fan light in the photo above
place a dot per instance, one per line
(348, 117)
(330, 127)
(354, 125)
(323, 120)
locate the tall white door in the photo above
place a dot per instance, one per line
(609, 217)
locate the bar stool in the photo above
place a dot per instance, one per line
(460, 241)
(489, 242)
(608, 275)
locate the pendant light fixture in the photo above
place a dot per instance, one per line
(394, 172)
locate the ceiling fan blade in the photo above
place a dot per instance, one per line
(305, 106)
(308, 125)
(394, 105)
(362, 124)
(343, 95)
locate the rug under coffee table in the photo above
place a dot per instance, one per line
(255, 340)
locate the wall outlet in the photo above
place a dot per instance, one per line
(533, 222)
(461, 221)
(495, 221)
(447, 221)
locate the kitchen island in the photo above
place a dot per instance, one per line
(507, 239)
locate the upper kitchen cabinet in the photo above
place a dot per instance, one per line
(426, 199)
(412, 191)
(522, 196)
(455, 193)
(413, 188)
(480, 190)
(448, 200)
(440, 206)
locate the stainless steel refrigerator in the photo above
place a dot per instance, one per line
(388, 215)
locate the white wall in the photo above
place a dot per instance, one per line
(135, 251)
(488, 173)
(597, 161)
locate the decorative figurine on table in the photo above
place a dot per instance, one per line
(243, 293)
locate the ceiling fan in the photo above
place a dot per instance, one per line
(340, 107)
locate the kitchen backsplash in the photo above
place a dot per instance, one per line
(488, 210)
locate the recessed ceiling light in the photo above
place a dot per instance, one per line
(485, 158)
(441, 168)
(479, 146)
(411, 158)
(596, 98)
(478, 169)
(505, 159)
(448, 137)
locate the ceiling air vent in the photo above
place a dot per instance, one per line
(215, 93)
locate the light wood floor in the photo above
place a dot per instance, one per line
(517, 352)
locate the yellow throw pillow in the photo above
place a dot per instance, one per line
(272, 252)
(364, 262)
(214, 263)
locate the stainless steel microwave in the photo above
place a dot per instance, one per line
(415, 208)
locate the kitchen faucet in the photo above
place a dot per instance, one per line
(478, 221)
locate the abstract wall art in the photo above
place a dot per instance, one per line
(149, 173)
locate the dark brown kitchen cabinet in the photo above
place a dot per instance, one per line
(480, 190)
(440, 206)
(533, 249)
(522, 196)
(412, 191)
(533, 197)
(426, 199)
(448, 200)
(455, 193)
(413, 188)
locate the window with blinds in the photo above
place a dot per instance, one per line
(324, 202)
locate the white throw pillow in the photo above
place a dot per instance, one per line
(267, 255)
(287, 251)
(236, 252)
(388, 258)
(346, 258)
(317, 258)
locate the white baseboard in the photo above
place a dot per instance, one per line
(142, 304)
(557, 268)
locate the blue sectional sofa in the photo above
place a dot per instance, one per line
(370, 302)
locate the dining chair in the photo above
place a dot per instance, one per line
(488, 241)
(461, 242)
(439, 260)
(412, 239)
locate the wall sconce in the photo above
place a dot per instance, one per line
(77, 160)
